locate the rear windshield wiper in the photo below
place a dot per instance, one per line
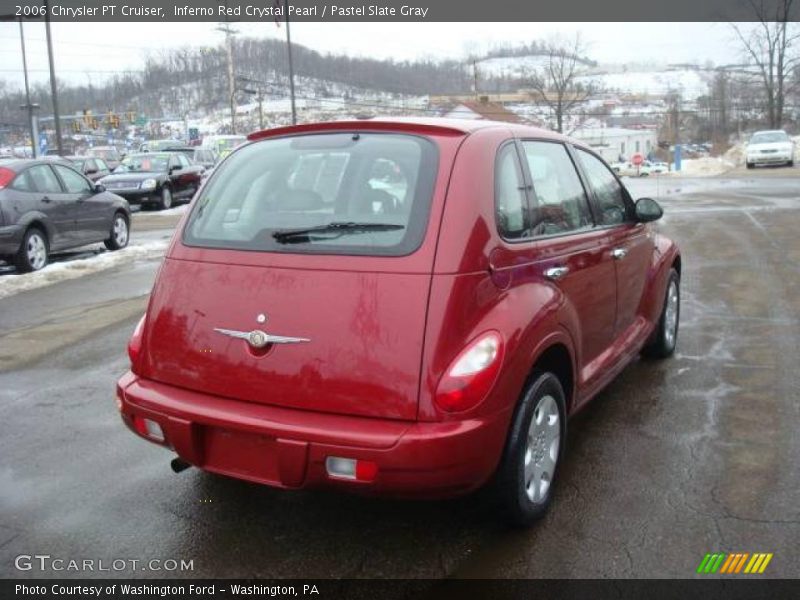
(339, 228)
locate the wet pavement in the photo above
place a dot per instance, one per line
(675, 459)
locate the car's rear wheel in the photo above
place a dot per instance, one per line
(750, 165)
(790, 163)
(166, 198)
(533, 451)
(665, 337)
(33, 251)
(120, 232)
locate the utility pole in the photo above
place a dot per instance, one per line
(291, 67)
(53, 85)
(475, 78)
(260, 108)
(226, 29)
(28, 106)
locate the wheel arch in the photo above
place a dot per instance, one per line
(556, 358)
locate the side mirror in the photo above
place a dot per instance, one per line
(99, 188)
(648, 210)
(90, 171)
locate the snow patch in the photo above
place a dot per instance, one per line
(64, 271)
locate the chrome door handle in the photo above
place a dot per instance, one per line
(556, 273)
(619, 253)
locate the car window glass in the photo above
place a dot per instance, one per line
(174, 162)
(558, 200)
(101, 165)
(386, 176)
(382, 183)
(23, 182)
(510, 202)
(74, 183)
(608, 191)
(44, 179)
(320, 173)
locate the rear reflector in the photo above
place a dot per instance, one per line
(349, 468)
(148, 428)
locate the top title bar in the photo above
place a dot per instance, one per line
(155, 11)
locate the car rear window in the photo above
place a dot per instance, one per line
(359, 193)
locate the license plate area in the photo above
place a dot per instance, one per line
(240, 453)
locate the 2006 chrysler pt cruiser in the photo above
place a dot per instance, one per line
(405, 307)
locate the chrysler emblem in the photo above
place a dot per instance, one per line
(257, 339)
(260, 339)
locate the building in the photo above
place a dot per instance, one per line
(615, 143)
(478, 109)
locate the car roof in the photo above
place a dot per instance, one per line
(17, 164)
(427, 125)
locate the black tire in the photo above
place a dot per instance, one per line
(750, 165)
(166, 198)
(115, 240)
(24, 259)
(790, 163)
(510, 483)
(661, 343)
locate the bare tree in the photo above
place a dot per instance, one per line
(557, 84)
(769, 45)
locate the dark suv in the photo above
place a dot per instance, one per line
(47, 206)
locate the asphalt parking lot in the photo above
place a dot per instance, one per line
(675, 459)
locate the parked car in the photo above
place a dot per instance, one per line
(46, 206)
(769, 148)
(155, 179)
(93, 168)
(109, 154)
(310, 328)
(157, 145)
(222, 145)
(205, 157)
(647, 168)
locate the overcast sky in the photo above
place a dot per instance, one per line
(86, 51)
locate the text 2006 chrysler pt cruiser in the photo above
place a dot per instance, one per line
(399, 307)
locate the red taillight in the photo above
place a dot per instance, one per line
(135, 343)
(6, 177)
(472, 374)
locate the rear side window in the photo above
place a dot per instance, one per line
(610, 197)
(558, 201)
(24, 182)
(381, 182)
(511, 207)
(44, 180)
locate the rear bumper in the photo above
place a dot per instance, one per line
(287, 448)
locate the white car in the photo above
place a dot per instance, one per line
(769, 148)
(643, 170)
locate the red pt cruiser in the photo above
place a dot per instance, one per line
(404, 307)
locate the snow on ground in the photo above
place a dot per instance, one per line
(178, 210)
(63, 271)
(706, 166)
(690, 82)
